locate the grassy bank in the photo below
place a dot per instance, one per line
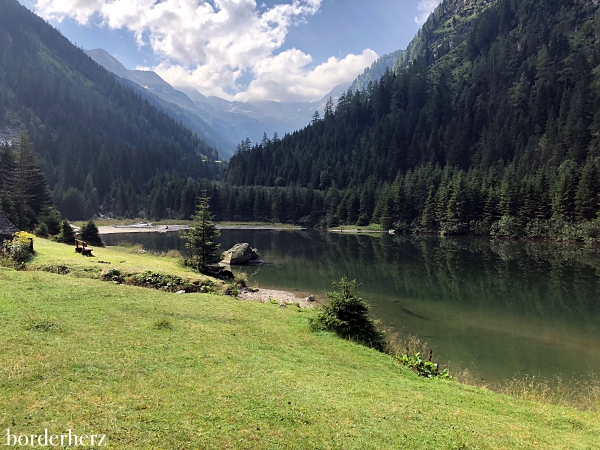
(152, 369)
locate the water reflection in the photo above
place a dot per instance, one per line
(502, 307)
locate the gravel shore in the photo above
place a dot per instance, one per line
(265, 295)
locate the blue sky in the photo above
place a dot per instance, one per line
(242, 49)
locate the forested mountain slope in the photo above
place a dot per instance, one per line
(492, 119)
(161, 94)
(103, 148)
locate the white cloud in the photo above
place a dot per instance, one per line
(425, 8)
(212, 44)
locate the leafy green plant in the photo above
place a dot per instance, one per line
(425, 368)
(347, 315)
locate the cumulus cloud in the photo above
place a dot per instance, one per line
(213, 44)
(425, 8)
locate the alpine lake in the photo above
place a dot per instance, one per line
(500, 308)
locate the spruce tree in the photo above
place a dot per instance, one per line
(89, 233)
(428, 217)
(66, 235)
(586, 197)
(29, 183)
(201, 238)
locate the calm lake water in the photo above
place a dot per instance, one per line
(499, 308)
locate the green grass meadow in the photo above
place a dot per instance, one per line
(155, 370)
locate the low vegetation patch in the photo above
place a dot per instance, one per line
(43, 326)
(163, 324)
(160, 281)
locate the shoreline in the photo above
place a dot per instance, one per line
(113, 229)
(262, 295)
(280, 296)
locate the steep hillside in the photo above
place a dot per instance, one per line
(377, 70)
(489, 124)
(161, 94)
(95, 136)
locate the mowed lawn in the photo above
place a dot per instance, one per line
(158, 370)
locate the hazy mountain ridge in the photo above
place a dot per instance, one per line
(223, 123)
(173, 102)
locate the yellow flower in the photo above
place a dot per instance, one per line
(23, 236)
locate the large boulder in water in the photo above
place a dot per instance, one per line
(241, 254)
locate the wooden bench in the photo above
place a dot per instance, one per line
(81, 247)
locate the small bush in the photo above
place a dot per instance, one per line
(173, 254)
(41, 230)
(347, 315)
(66, 234)
(50, 217)
(401, 227)
(112, 275)
(20, 248)
(478, 228)
(451, 228)
(241, 279)
(163, 324)
(507, 226)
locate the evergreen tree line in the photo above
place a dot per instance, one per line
(115, 179)
(493, 118)
(551, 202)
